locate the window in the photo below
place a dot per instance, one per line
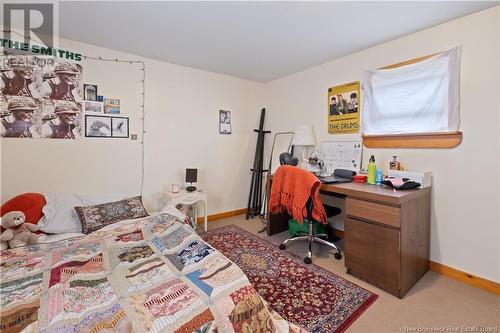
(414, 103)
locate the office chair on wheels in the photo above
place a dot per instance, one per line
(311, 237)
(297, 192)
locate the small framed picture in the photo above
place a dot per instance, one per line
(119, 127)
(91, 106)
(111, 105)
(90, 92)
(224, 122)
(97, 126)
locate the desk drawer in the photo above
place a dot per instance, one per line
(371, 211)
(372, 253)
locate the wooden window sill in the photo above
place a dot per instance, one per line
(419, 140)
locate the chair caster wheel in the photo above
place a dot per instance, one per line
(307, 260)
(282, 246)
(338, 256)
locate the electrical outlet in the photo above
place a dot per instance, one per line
(133, 136)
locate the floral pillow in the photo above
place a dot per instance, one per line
(96, 217)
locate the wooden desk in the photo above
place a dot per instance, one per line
(386, 233)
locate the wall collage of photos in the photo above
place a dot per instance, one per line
(40, 98)
(44, 98)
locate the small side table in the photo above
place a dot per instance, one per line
(190, 198)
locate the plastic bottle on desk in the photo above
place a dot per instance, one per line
(372, 170)
(394, 164)
(379, 177)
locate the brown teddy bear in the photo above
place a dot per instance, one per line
(17, 232)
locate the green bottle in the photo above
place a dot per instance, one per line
(372, 170)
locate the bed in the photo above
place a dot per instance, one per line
(152, 274)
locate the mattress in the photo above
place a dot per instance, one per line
(153, 274)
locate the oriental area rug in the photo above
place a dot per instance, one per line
(306, 295)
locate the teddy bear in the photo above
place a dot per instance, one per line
(17, 233)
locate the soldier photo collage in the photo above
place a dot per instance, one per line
(40, 102)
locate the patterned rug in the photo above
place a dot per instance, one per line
(305, 295)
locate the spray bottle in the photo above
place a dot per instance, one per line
(372, 170)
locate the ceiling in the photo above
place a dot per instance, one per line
(259, 41)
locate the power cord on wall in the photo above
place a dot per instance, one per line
(143, 93)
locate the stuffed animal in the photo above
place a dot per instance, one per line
(17, 232)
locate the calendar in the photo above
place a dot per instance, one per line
(342, 155)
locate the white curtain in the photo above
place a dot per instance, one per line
(417, 98)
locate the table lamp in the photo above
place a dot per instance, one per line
(191, 177)
(303, 136)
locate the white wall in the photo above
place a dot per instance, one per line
(181, 121)
(465, 211)
(182, 110)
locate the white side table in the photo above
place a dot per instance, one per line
(190, 198)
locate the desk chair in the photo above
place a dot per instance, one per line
(311, 237)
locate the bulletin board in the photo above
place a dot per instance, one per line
(342, 155)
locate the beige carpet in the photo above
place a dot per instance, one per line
(435, 304)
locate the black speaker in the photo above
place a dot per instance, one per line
(191, 177)
(344, 173)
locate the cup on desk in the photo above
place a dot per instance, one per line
(175, 188)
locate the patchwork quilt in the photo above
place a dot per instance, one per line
(148, 275)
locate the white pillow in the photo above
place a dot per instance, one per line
(59, 213)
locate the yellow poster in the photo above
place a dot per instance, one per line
(344, 105)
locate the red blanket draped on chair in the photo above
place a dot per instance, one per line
(291, 189)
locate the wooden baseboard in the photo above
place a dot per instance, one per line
(222, 215)
(453, 273)
(464, 277)
(447, 271)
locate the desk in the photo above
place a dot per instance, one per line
(386, 233)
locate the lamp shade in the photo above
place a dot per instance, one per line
(191, 175)
(304, 136)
